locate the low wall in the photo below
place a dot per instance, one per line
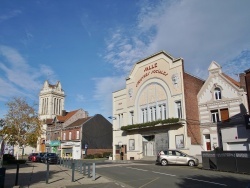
(233, 161)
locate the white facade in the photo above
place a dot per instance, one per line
(154, 91)
(72, 150)
(222, 104)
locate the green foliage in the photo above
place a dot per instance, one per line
(150, 124)
(7, 157)
(107, 154)
(21, 124)
(90, 156)
(98, 155)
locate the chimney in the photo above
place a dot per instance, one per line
(242, 81)
(64, 112)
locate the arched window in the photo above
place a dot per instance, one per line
(152, 103)
(217, 93)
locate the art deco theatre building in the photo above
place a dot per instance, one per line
(157, 110)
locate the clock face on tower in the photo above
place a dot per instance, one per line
(130, 92)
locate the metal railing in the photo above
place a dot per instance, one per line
(80, 166)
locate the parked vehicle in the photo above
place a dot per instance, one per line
(32, 157)
(176, 157)
(36, 157)
(51, 158)
(39, 156)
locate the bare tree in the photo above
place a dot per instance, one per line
(21, 125)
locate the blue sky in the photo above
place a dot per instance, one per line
(91, 46)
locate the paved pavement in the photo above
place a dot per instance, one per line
(34, 175)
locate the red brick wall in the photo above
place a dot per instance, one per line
(73, 134)
(192, 86)
(96, 151)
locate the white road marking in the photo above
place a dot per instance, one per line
(207, 182)
(138, 169)
(163, 173)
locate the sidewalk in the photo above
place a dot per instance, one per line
(33, 175)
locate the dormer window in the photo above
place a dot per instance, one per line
(217, 93)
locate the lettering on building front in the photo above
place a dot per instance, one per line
(151, 69)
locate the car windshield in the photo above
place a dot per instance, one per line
(51, 154)
(34, 154)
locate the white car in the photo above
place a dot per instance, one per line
(176, 157)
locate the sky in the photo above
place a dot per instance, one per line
(91, 46)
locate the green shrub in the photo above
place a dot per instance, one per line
(98, 155)
(7, 157)
(107, 154)
(89, 157)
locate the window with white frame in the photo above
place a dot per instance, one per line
(131, 117)
(64, 136)
(70, 134)
(215, 116)
(178, 109)
(120, 120)
(217, 93)
(131, 144)
(77, 134)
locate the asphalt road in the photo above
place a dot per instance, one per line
(139, 175)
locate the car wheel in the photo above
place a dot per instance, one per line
(164, 162)
(191, 163)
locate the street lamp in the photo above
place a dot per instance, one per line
(111, 117)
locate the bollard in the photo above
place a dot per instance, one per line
(84, 169)
(17, 173)
(93, 172)
(71, 161)
(47, 173)
(73, 171)
(89, 170)
(81, 170)
(67, 163)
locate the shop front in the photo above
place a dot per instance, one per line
(71, 150)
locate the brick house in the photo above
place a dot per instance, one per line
(55, 127)
(90, 135)
(69, 133)
(157, 89)
(222, 105)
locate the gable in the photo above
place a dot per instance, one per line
(228, 89)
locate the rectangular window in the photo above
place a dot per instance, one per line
(215, 116)
(77, 135)
(117, 149)
(131, 144)
(160, 111)
(131, 117)
(143, 116)
(178, 109)
(64, 136)
(70, 134)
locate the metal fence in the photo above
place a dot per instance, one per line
(79, 166)
(231, 161)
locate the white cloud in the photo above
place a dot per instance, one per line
(18, 78)
(198, 31)
(104, 87)
(9, 15)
